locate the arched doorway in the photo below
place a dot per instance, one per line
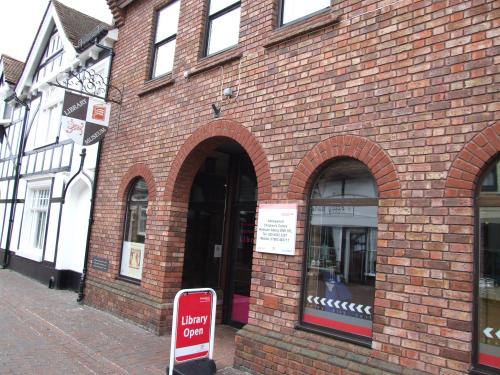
(220, 229)
(73, 234)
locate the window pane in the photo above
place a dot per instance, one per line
(164, 59)
(216, 5)
(489, 287)
(168, 18)
(135, 231)
(490, 180)
(39, 206)
(345, 179)
(40, 221)
(341, 266)
(7, 113)
(295, 9)
(140, 192)
(224, 31)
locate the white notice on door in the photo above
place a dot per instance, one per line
(217, 251)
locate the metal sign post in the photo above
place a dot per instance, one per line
(193, 332)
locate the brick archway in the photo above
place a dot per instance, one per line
(137, 170)
(362, 149)
(471, 162)
(201, 143)
(182, 173)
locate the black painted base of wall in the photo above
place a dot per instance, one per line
(44, 272)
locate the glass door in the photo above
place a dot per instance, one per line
(241, 266)
(242, 228)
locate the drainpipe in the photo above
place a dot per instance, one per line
(20, 151)
(81, 287)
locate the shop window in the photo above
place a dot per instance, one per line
(35, 219)
(488, 270)
(134, 231)
(292, 10)
(341, 251)
(167, 20)
(223, 25)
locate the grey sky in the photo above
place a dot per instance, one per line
(19, 21)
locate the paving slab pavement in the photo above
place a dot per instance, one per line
(45, 331)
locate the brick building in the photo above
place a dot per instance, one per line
(376, 120)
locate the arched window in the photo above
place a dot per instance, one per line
(134, 232)
(487, 322)
(341, 251)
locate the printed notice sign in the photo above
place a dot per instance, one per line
(84, 119)
(276, 229)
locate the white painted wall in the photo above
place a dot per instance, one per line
(50, 243)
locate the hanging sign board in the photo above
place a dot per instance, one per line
(193, 326)
(276, 229)
(85, 119)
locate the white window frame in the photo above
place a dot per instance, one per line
(46, 128)
(52, 58)
(165, 40)
(33, 235)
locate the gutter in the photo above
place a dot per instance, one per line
(20, 151)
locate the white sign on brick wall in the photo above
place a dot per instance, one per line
(277, 228)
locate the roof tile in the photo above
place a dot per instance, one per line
(12, 69)
(78, 27)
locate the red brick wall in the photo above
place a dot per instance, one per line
(416, 80)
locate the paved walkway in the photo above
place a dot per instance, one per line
(45, 331)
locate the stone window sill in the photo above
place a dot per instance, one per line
(129, 280)
(356, 340)
(156, 84)
(305, 26)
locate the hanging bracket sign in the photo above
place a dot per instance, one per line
(84, 119)
(193, 329)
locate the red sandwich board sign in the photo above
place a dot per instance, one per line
(193, 325)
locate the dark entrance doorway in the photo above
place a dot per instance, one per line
(220, 230)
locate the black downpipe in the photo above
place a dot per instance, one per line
(81, 287)
(20, 152)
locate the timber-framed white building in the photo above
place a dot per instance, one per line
(45, 235)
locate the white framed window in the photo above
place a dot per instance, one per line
(167, 20)
(49, 130)
(292, 10)
(34, 227)
(52, 58)
(223, 30)
(45, 129)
